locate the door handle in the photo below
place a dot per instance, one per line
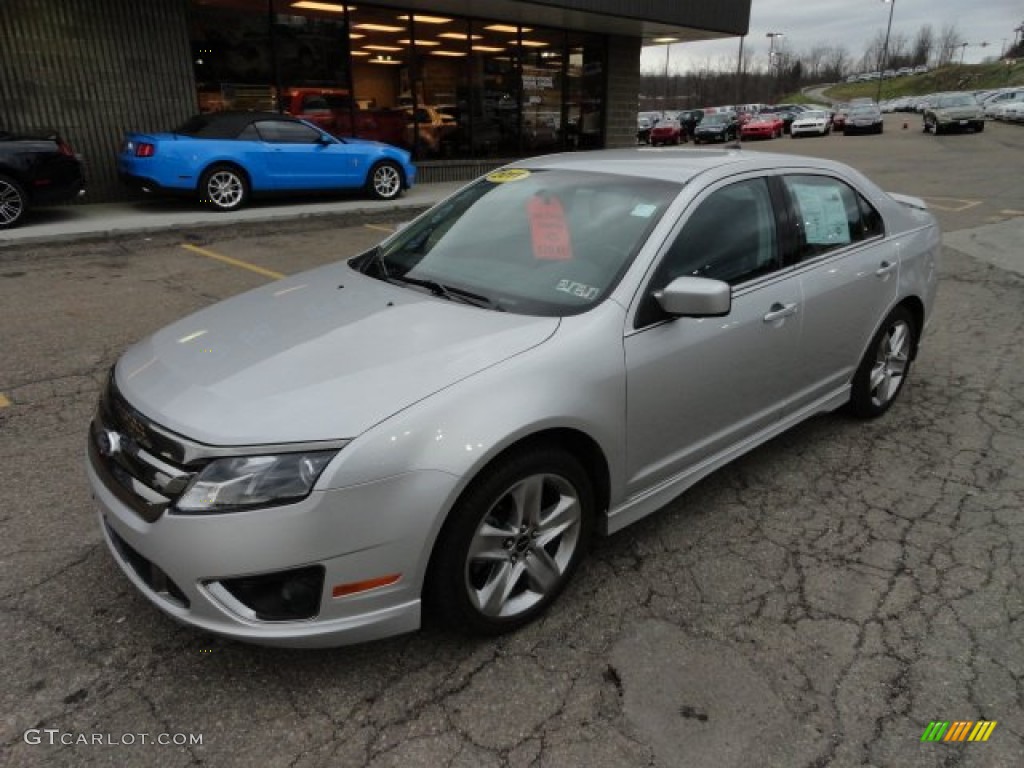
(779, 311)
(885, 268)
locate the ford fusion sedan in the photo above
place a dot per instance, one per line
(863, 118)
(223, 159)
(443, 422)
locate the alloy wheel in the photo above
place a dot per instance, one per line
(225, 189)
(524, 545)
(892, 358)
(387, 182)
(12, 203)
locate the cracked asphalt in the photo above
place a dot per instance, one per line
(816, 603)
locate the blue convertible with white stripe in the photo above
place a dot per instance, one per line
(225, 158)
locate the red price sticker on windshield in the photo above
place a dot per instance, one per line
(548, 231)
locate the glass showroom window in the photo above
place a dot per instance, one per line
(232, 55)
(440, 84)
(543, 57)
(585, 86)
(495, 89)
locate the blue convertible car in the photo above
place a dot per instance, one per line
(224, 158)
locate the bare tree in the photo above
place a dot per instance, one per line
(924, 45)
(837, 62)
(949, 39)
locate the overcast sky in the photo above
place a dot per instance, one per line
(851, 23)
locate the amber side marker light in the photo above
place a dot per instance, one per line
(355, 587)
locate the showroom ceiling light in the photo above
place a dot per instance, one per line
(487, 48)
(507, 28)
(388, 48)
(448, 53)
(309, 5)
(426, 19)
(420, 43)
(459, 36)
(534, 44)
(379, 27)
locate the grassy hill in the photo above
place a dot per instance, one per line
(970, 77)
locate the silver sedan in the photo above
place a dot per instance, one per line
(444, 422)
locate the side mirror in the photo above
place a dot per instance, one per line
(695, 297)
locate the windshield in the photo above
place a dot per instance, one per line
(812, 115)
(957, 101)
(538, 242)
(715, 120)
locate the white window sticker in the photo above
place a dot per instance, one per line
(644, 210)
(823, 214)
(577, 289)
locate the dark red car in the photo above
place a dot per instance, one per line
(668, 132)
(36, 170)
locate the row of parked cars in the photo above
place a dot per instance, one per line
(221, 159)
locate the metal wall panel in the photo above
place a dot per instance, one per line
(730, 16)
(92, 69)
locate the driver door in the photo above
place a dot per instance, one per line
(299, 156)
(698, 386)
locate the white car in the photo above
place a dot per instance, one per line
(1013, 112)
(999, 110)
(814, 122)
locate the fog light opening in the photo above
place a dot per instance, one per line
(356, 587)
(282, 596)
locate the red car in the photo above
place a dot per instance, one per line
(667, 132)
(765, 126)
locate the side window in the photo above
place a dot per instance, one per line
(829, 214)
(730, 236)
(286, 132)
(249, 133)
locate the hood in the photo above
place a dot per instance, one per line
(323, 355)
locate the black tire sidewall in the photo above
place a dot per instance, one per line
(445, 592)
(860, 403)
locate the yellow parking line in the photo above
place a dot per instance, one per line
(4, 402)
(379, 228)
(964, 204)
(233, 262)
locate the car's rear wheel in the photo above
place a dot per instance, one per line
(511, 543)
(13, 202)
(885, 366)
(385, 181)
(224, 188)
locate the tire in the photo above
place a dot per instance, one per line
(885, 367)
(511, 543)
(224, 188)
(13, 202)
(979, 127)
(384, 181)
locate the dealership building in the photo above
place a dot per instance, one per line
(464, 85)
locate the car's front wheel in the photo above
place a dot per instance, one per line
(13, 202)
(385, 181)
(224, 188)
(885, 366)
(511, 543)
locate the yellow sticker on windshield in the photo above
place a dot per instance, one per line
(507, 174)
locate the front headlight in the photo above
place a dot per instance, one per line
(244, 482)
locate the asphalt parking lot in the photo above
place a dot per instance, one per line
(817, 603)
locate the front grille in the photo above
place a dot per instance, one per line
(138, 461)
(148, 571)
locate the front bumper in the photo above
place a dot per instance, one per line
(180, 562)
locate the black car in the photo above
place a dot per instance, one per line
(720, 126)
(690, 119)
(35, 170)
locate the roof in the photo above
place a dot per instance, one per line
(225, 125)
(671, 164)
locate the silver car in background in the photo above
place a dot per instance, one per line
(443, 422)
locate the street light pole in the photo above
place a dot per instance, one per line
(771, 53)
(885, 50)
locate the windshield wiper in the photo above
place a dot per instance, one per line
(449, 292)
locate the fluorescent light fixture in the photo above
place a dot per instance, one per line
(459, 36)
(420, 43)
(665, 40)
(507, 28)
(426, 19)
(388, 48)
(356, 36)
(487, 48)
(360, 53)
(309, 5)
(534, 44)
(385, 60)
(447, 53)
(378, 27)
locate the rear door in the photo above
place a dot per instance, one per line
(849, 273)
